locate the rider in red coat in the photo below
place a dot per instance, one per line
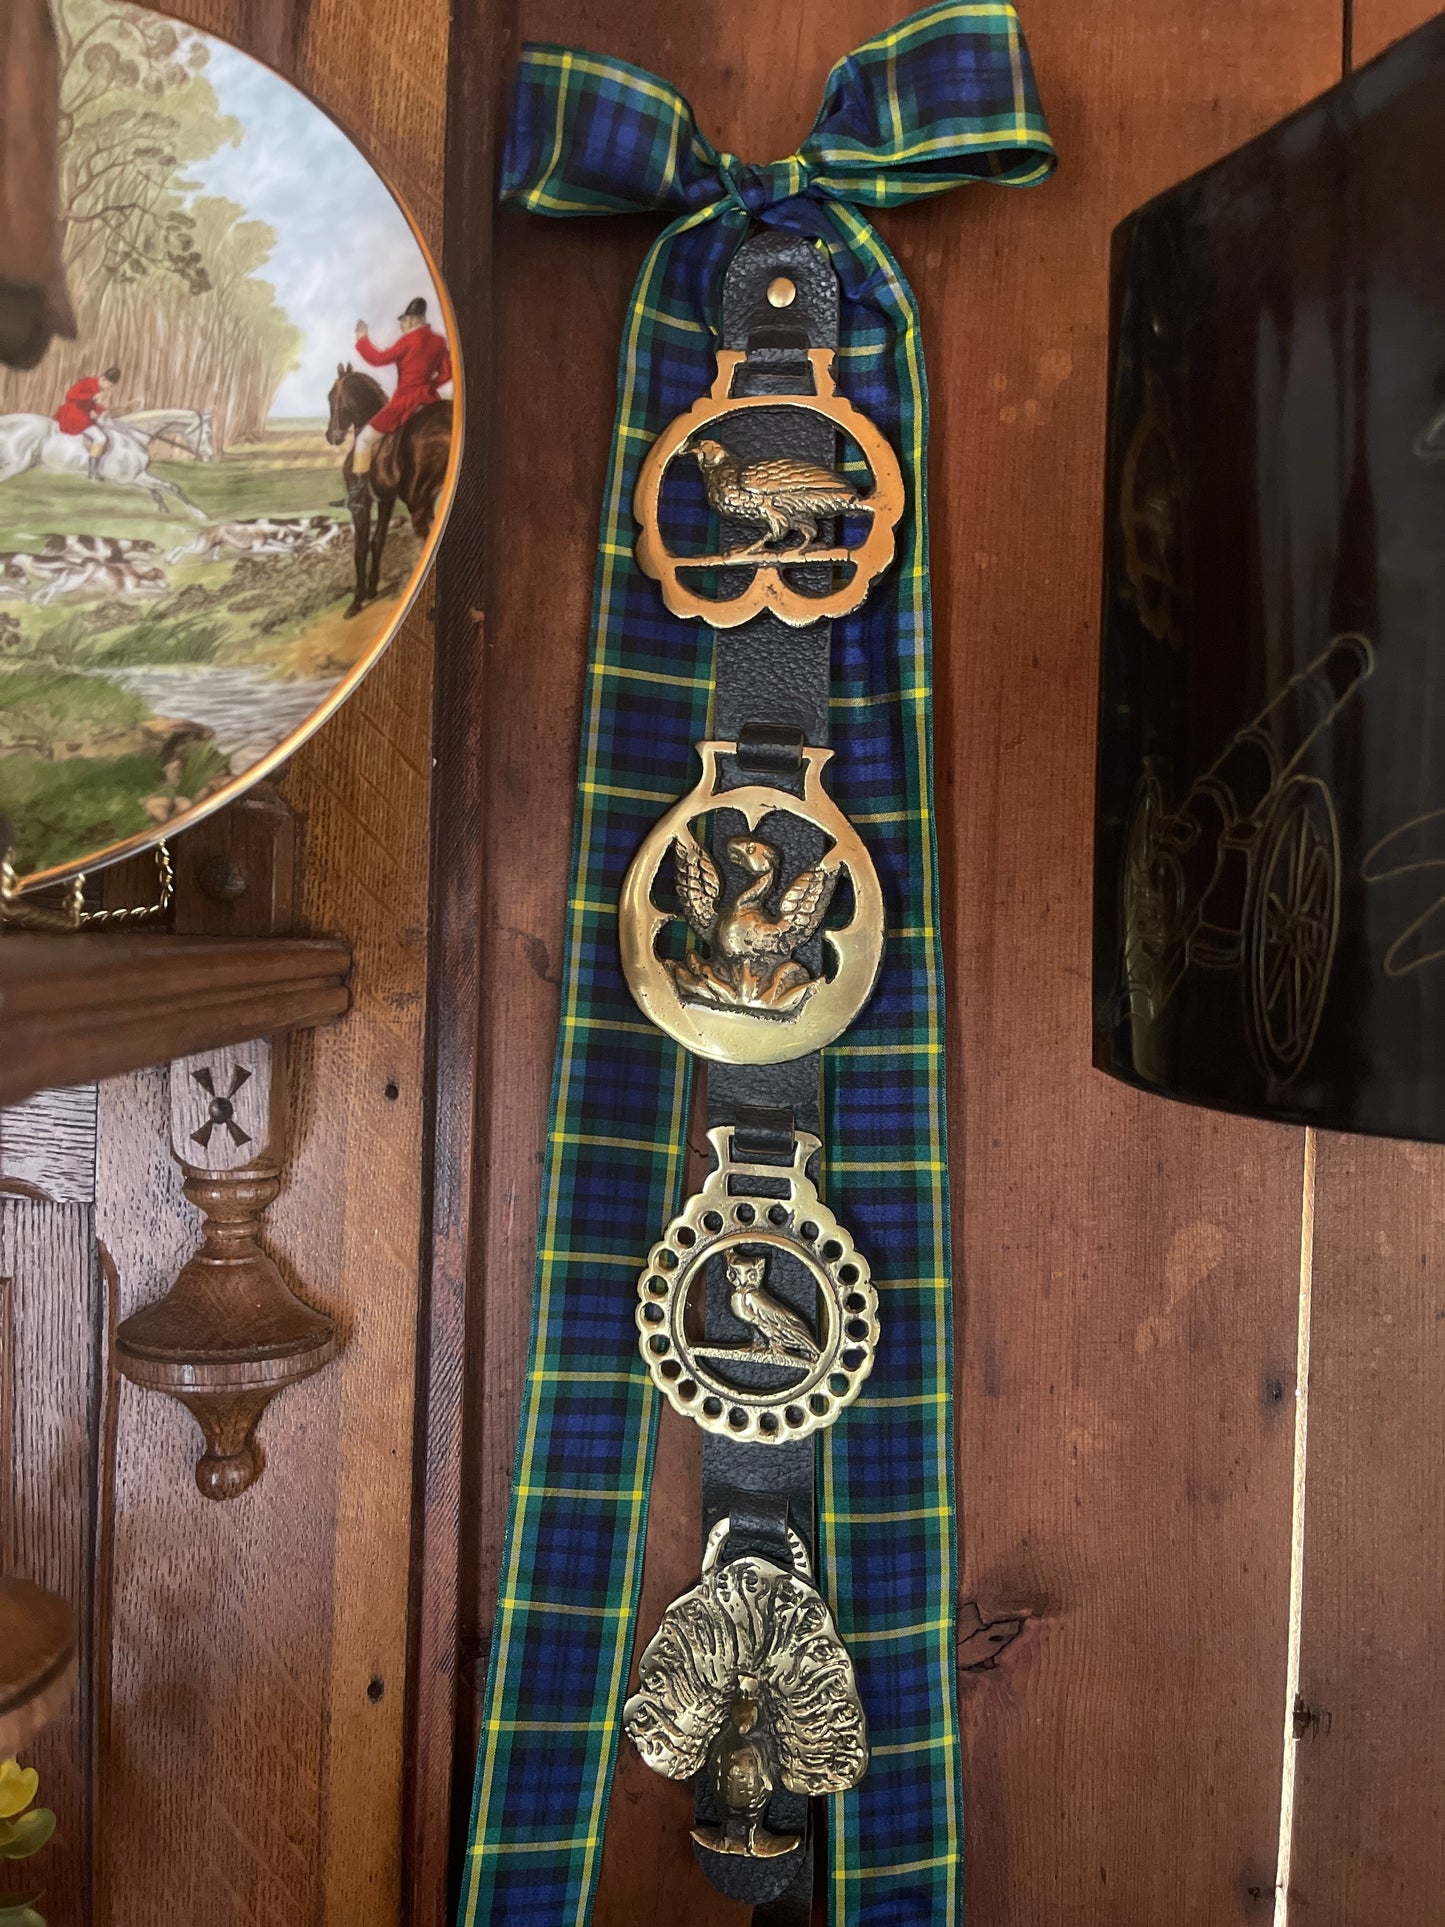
(80, 413)
(423, 364)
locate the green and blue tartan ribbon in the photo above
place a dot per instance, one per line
(944, 98)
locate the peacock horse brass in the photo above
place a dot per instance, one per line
(788, 500)
(741, 993)
(747, 1683)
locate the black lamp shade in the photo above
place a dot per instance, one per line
(1269, 932)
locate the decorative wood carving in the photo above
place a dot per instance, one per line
(37, 1661)
(230, 1333)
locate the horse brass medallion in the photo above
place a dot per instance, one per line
(747, 1681)
(799, 1299)
(786, 501)
(741, 994)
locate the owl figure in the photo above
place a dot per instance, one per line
(774, 1327)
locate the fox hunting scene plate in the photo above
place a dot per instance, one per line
(218, 501)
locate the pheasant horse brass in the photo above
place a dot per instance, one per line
(747, 1680)
(790, 1373)
(741, 994)
(785, 498)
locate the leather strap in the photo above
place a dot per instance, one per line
(771, 688)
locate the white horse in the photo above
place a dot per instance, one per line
(36, 441)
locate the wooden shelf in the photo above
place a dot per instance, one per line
(37, 1660)
(77, 1008)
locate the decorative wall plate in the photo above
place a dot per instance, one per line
(180, 601)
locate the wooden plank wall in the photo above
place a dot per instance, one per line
(1369, 1805)
(259, 1648)
(1129, 1271)
(245, 1761)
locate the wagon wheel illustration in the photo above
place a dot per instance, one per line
(1291, 922)
(1153, 901)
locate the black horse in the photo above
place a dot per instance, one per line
(410, 465)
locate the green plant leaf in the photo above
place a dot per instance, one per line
(27, 1834)
(18, 1910)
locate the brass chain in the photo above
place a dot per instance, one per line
(73, 915)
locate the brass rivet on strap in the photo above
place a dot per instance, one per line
(782, 292)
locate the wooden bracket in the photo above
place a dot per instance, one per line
(230, 1333)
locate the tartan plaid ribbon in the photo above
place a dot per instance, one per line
(944, 98)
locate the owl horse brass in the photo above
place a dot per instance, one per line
(783, 496)
(741, 994)
(788, 1373)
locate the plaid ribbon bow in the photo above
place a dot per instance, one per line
(945, 97)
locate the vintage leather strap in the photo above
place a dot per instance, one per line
(944, 98)
(771, 684)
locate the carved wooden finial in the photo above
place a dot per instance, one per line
(230, 1333)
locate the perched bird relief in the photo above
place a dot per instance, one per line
(779, 1335)
(790, 499)
(750, 958)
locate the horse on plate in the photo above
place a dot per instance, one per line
(409, 465)
(37, 441)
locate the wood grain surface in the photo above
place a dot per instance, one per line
(53, 1399)
(1370, 1757)
(1127, 1270)
(253, 1769)
(1128, 1267)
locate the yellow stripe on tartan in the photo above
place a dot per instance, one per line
(665, 677)
(907, 1748)
(627, 794)
(530, 1846)
(885, 696)
(895, 1632)
(617, 1028)
(601, 1494)
(898, 1867)
(905, 1165)
(888, 1050)
(564, 1255)
(563, 1608)
(853, 1517)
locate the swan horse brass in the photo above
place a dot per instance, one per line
(747, 1682)
(784, 495)
(765, 1225)
(741, 994)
